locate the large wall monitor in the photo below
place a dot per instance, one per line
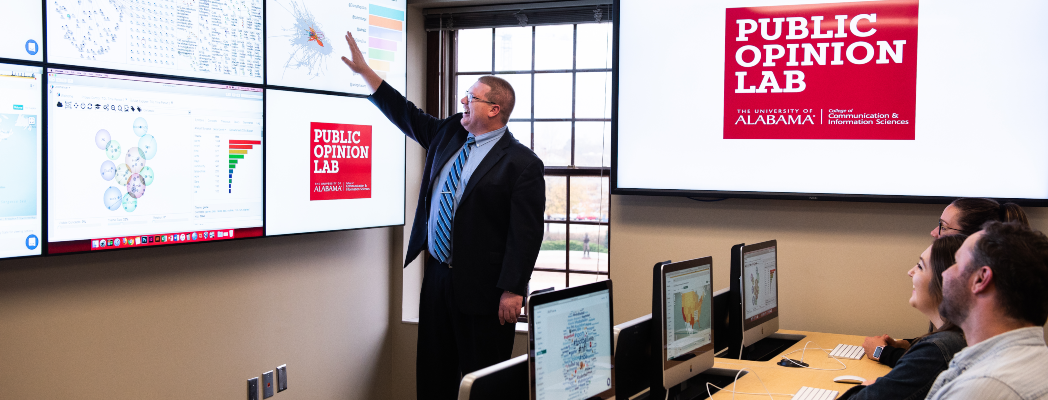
(216, 39)
(863, 100)
(141, 162)
(683, 296)
(570, 343)
(22, 30)
(21, 219)
(331, 163)
(760, 291)
(306, 41)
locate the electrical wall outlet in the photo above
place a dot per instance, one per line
(267, 384)
(282, 378)
(252, 389)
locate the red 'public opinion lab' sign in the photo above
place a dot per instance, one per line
(821, 71)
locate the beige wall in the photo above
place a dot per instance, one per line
(195, 322)
(407, 281)
(842, 265)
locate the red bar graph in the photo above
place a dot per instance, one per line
(237, 150)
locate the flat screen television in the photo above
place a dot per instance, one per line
(332, 163)
(21, 152)
(138, 162)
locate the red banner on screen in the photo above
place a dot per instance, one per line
(821, 71)
(339, 161)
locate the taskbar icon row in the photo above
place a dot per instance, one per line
(155, 240)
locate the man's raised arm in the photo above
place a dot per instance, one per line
(358, 65)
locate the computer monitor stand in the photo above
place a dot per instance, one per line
(770, 347)
(695, 387)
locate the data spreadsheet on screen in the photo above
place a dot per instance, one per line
(802, 98)
(20, 166)
(197, 39)
(131, 157)
(573, 347)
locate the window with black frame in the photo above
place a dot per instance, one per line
(562, 78)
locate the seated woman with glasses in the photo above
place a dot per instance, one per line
(917, 362)
(967, 215)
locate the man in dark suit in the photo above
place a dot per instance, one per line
(479, 217)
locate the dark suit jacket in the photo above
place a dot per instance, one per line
(497, 228)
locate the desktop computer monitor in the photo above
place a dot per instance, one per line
(570, 343)
(755, 279)
(682, 329)
(507, 380)
(632, 352)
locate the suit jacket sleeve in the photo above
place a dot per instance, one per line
(415, 123)
(527, 203)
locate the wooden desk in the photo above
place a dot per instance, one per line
(785, 380)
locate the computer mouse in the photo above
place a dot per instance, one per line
(849, 379)
(791, 363)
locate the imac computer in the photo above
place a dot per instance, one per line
(570, 343)
(754, 311)
(682, 332)
(759, 282)
(632, 355)
(507, 380)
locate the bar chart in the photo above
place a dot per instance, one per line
(238, 149)
(385, 35)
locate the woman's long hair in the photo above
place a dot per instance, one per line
(977, 211)
(942, 257)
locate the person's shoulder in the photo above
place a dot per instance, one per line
(948, 339)
(1019, 369)
(979, 387)
(518, 149)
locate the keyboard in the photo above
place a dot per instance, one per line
(848, 351)
(810, 393)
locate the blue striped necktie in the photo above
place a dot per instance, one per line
(446, 213)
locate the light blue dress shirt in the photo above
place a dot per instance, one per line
(1012, 365)
(485, 142)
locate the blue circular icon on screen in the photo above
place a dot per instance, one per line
(32, 242)
(194, 236)
(32, 47)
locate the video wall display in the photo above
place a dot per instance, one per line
(307, 40)
(139, 123)
(20, 161)
(132, 160)
(22, 31)
(332, 163)
(823, 98)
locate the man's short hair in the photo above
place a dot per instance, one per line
(1018, 256)
(501, 93)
